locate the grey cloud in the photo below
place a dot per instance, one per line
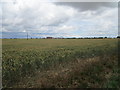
(30, 21)
(13, 35)
(38, 20)
(82, 6)
(34, 19)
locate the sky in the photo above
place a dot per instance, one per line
(58, 19)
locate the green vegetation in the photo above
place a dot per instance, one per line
(60, 63)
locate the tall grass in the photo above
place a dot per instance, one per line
(22, 58)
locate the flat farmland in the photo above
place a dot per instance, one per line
(60, 63)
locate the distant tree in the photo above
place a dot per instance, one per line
(73, 38)
(118, 36)
(100, 37)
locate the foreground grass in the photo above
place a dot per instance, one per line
(70, 63)
(84, 73)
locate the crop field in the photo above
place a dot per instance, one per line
(60, 63)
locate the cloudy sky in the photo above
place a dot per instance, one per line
(58, 19)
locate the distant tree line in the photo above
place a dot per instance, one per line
(66, 38)
(118, 36)
(89, 38)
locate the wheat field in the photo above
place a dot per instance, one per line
(60, 63)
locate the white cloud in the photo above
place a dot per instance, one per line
(35, 17)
